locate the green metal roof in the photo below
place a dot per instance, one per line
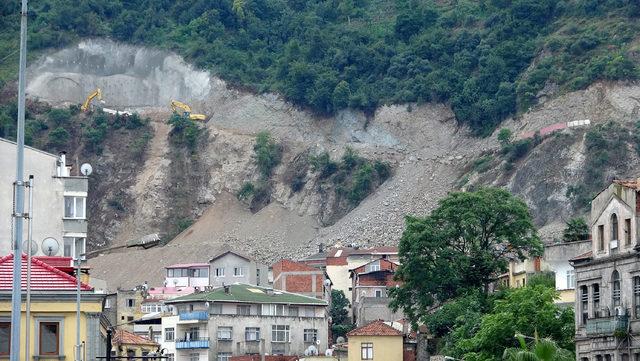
(243, 293)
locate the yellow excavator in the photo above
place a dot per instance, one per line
(186, 111)
(96, 93)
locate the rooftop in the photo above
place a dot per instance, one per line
(229, 252)
(240, 292)
(44, 277)
(629, 183)
(189, 265)
(582, 257)
(375, 328)
(289, 265)
(122, 337)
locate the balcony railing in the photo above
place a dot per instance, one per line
(200, 342)
(607, 325)
(194, 315)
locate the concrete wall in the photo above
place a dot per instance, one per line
(229, 261)
(370, 309)
(621, 201)
(169, 322)
(385, 348)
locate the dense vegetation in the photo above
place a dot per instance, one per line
(330, 54)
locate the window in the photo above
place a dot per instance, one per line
(49, 338)
(636, 296)
(584, 304)
(252, 334)
(5, 338)
(272, 310)
(129, 318)
(74, 247)
(170, 357)
(243, 310)
(199, 272)
(224, 356)
(615, 289)
(614, 227)
(373, 266)
(379, 293)
(192, 334)
(194, 357)
(310, 335)
(131, 302)
(627, 231)
(601, 237)
(219, 272)
(216, 309)
(238, 271)
(131, 354)
(366, 351)
(571, 279)
(169, 334)
(279, 333)
(225, 332)
(294, 311)
(74, 207)
(596, 300)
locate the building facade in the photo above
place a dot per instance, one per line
(370, 298)
(187, 275)
(242, 319)
(231, 267)
(376, 341)
(608, 278)
(300, 278)
(59, 201)
(53, 313)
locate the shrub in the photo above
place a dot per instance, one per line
(576, 229)
(361, 186)
(185, 131)
(322, 163)
(246, 191)
(350, 158)
(504, 136)
(59, 116)
(383, 170)
(268, 153)
(59, 137)
(482, 164)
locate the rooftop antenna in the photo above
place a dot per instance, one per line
(18, 214)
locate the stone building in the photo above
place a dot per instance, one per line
(608, 278)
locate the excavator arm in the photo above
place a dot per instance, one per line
(96, 93)
(186, 111)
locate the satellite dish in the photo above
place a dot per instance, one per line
(318, 342)
(86, 169)
(50, 246)
(34, 247)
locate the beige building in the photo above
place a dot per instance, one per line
(608, 278)
(377, 340)
(59, 201)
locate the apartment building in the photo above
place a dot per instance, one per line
(369, 292)
(232, 267)
(297, 277)
(59, 201)
(187, 275)
(608, 278)
(243, 319)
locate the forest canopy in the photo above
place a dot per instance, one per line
(487, 58)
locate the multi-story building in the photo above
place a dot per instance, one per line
(302, 279)
(608, 278)
(369, 292)
(187, 275)
(242, 319)
(231, 267)
(377, 340)
(53, 313)
(128, 305)
(59, 201)
(129, 345)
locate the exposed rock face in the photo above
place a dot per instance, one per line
(427, 149)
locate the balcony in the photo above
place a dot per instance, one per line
(200, 342)
(606, 325)
(194, 316)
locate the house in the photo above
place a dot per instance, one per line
(369, 291)
(127, 344)
(338, 262)
(608, 278)
(231, 267)
(187, 275)
(243, 319)
(297, 277)
(377, 340)
(53, 312)
(128, 306)
(60, 217)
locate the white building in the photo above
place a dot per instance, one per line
(59, 202)
(231, 267)
(187, 275)
(243, 319)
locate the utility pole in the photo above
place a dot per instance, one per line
(78, 344)
(16, 294)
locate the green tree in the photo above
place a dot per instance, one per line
(576, 229)
(238, 8)
(469, 239)
(341, 95)
(59, 137)
(542, 350)
(504, 137)
(268, 153)
(339, 312)
(59, 116)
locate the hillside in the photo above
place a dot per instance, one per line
(488, 59)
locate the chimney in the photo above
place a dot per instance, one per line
(62, 165)
(226, 288)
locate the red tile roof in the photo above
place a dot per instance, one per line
(44, 277)
(56, 261)
(582, 257)
(123, 337)
(629, 183)
(375, 328)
